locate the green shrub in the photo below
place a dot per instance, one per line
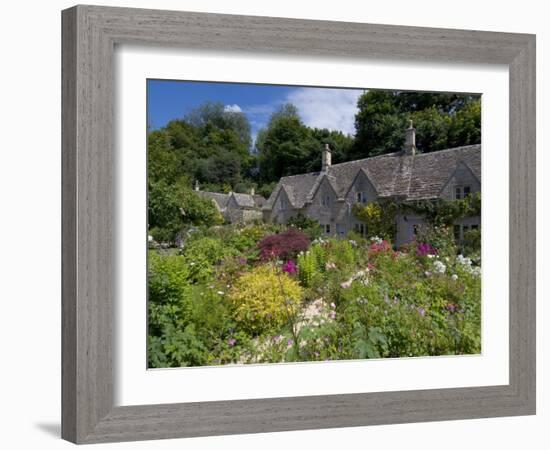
(472, 242)
(265, 299)
(439, 237)
(203, 254)
(307, 268)
(309, 226)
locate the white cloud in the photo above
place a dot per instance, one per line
(233, 108)
(334, 109)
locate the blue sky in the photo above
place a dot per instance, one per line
(318, 107)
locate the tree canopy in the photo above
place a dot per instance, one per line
(441, 120)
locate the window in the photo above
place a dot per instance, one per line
(340, 229)
(361, 197)
(325, 200)
(360, 228)
(283, 203)
(456, 232)
(327, 228)
(462, 192)
(459, 231)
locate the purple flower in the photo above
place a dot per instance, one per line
(424, 249)
(231, 342)
(421, 311)
(290, 342)
(332, 314)
(290, 267)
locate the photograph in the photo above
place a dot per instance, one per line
(299, 224)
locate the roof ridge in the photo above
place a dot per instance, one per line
(385, 155)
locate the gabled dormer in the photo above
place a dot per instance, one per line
(361, 189)
(323, 193)
(282, 201)
(461, 183)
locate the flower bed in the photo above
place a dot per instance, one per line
(237, 295)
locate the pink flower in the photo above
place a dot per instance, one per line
(290, 267)
(231, 342)
(424, 249)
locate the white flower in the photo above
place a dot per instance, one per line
(376, 239)
(464, 261)
(220, 292)
(454, 276)
(150, 238)
(439, 267)
(430, 256)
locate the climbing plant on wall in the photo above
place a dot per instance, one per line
(380, 216)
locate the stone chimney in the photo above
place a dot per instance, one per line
(197, 186)
(410, 140)
(327, 158)
(252, 191)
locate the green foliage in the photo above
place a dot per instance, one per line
(172, 207)
(288, 147)
(265, 299)
(202, 255)
(307, 268)
(439, 237)
(445, 212)
(442, 121)
(216, 303)
(472, 243)
(309, 226)
(379, 218)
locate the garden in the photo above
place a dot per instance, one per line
(261, 293)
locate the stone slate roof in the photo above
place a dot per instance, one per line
(242, 200)
(259, 200)
(410, 177)
(220, 199)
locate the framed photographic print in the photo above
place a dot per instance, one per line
(277, 224)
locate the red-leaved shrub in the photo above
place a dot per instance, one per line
(284, 245)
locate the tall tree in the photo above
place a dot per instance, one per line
(442, 120)
(288, 147)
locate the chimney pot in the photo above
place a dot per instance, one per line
(327, 158)
(197, 186)
(410, 140)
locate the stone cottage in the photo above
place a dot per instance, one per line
(235, 207)
(405, 175)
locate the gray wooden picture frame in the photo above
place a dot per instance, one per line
(90, 34)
